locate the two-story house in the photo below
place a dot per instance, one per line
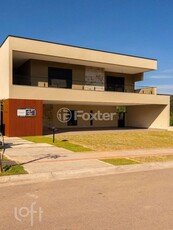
(39, 78)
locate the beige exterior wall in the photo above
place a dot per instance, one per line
(39, 72)
(50, 116)
(26, 49)
(68, 96)
(148, 116)
(145, 116)
(81, 54)
(5, 64)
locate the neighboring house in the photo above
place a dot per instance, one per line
(38, 78)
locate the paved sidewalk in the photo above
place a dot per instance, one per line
(46, 161)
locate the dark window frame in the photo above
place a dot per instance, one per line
(64, 76)
(116, 84)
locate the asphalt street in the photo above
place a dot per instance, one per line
(133, 201)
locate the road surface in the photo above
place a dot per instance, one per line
(133, 201)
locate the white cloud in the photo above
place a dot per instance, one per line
(161, 77)
(167, 71)
(165, 89)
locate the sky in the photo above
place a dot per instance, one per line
(135, 27)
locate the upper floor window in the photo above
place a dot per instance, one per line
(59, 77)
(114, 84)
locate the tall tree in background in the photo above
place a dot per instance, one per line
(171, 111)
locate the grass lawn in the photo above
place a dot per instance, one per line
(4, 158)
(13, 170)
(120, 161)
(138, 160)
(63, 143)
(150, 159)
(121, 140)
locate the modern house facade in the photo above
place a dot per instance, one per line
(40, 80)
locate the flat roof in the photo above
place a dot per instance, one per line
(44, 41)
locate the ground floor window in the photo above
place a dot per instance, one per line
(91, 117)
(72, 118)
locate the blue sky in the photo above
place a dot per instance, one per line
(135, 27)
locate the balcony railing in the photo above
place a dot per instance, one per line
(146, 90)
(81, 85)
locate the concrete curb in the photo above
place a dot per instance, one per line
(70, 174)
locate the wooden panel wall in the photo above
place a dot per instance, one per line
(22, 126)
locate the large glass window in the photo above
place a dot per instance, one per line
(114, 84)
(59, 78)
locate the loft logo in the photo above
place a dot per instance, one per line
(64, 115)
(23, 212)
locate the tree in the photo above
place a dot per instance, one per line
(171, 104)
(171, 110)
(121, 109)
